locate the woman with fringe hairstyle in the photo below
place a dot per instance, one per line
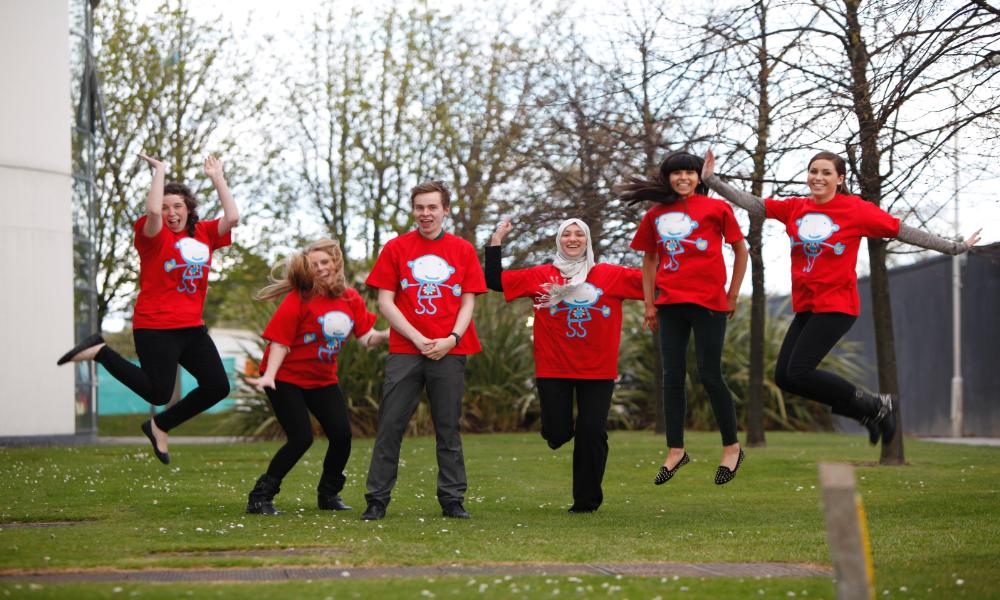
(825, 231)
(175, 255)
(684, 284)
(299, 368)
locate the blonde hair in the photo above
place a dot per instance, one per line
(293, 273)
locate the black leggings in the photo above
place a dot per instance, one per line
(810, 337)
(709, 326)
(292, 405)
(590, 450)
(160, 351)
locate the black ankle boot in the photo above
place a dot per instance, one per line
(261, 500)
(880, 420)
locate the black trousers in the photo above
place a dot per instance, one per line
(160, 351)
(590, 449)
(677, 321)
(809, 339)
(292, 405)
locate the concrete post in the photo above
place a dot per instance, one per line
(847, 533)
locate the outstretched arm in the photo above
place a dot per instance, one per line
(154, 199)
(230, 214)
(923, 239)
(494, 269)
(748, 202)
(739, 270)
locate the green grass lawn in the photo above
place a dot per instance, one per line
(934, 523)
(207, 424)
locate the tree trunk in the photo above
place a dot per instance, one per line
(870, 180)
(758, 322)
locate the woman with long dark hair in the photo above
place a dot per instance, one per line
(299, 369)
(684, 280)
(825, 229)
(577, 332)
(175, 255)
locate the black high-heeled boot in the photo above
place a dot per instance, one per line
(261, 499)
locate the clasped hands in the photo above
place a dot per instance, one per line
(435, 349)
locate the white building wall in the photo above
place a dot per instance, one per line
(36, 272)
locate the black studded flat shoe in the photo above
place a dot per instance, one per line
(664, 474)
(724, 474)
(87, 342)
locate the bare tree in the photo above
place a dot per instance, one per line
(899, 58)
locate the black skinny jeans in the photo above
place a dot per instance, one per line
(160, 351)
(809, 339)
(590, 449)
(677, 321)
(292, 405)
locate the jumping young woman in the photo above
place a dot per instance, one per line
(577, 333)
(826, 230)
(299, 369)
(684, 280)
(175, 255)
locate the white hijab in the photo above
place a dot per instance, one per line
(573, 270)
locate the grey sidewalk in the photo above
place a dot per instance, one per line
(292, 573)
(964, 441)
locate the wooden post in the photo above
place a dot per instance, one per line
(847, 533)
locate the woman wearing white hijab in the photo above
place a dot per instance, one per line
(577, 332)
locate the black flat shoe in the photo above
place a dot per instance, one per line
(327, 502)
(882, 425)
(577, 510)
(374, 512)
(665, 474)
(147, 428)
(89, 341)
(724, 475)
(454, 510)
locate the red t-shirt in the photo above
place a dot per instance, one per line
(173, 274)
(579, 337)
(825, 239)
(429, 278)
(315, 330)
(687, 237)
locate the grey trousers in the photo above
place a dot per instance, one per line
(405, 376)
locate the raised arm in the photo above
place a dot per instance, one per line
(154, 199)
(230, 214)
(748, 202)
(923, 239)
(494, 269)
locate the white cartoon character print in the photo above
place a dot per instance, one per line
(578, 306)
(813, 230)
(430, 272)
(195, 255)
(674, 229)
(336, 327)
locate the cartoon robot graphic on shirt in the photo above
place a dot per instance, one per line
(430, 272)
(195, 255)
(674, 229)
(813, 230)
(578, 306)
(336, 327)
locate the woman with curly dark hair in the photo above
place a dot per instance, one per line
(175, 254)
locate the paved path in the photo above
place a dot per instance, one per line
(661, 569)
(965, 441)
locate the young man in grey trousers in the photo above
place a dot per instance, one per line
(427, 283)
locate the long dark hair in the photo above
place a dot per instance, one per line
(657, 187)
(175, 188)
(838, 163)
